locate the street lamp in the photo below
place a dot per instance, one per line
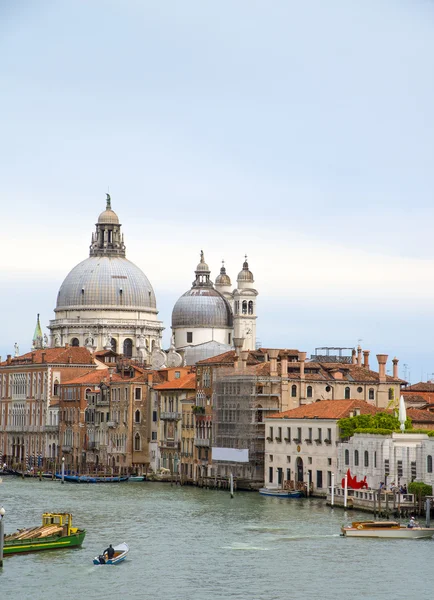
(2, 533)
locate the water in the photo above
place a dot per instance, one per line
(189, 543)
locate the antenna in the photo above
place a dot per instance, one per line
(405, 365)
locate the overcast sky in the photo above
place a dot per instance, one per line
(300, 133)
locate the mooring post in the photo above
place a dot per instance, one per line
(2, 534)
(232, 485)
(428, 511)
(63, 469)
(332, 496)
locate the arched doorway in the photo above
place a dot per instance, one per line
(300, 473)
(75, 342)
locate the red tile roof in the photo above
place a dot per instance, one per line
(422, 386)
(61, 356)
(183, 383)
(328, 409)
(417, 415)
(96, 377)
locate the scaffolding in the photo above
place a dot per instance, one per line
(241, 400)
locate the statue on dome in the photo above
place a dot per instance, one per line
(45, 344)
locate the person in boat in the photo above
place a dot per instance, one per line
(110, 551)
(412, 523)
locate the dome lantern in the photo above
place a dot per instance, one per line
(245, 276)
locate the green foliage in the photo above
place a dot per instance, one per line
(419, 489)
(384, 421)
(379, 431)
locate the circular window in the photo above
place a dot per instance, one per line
(328, 388)
(360, 390)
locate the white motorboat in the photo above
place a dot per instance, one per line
(385, 529)
(121, 551)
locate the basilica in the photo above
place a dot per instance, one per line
(107, 303)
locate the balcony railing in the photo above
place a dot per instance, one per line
(66, 448)
(202, 442)
(170, 444)
(170, 416)
(51, 428)
(111, 423)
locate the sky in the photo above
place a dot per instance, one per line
(298, 133)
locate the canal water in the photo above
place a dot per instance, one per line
(197, 544)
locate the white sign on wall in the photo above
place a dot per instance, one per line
(230, 455)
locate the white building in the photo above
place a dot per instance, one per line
(399, 458)
(214, 315)
(106, 301)
(300, 444)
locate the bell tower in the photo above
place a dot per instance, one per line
(245, 308)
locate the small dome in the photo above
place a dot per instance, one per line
(202, 267)
(108, 217)
(223, 278)
(245, 274)
(202, 307)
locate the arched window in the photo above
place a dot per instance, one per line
(366, 458)
(294, 391)
(128, 348)
(137, 416)
(347, 457)
(371, 394)
(347, 393)
(75, 342)
(114, 345)
(391, 394)
(309, 391)
(137, 442)
(250, 307)
(356, 458)
(429, 463)
(56, 388)
(244, 305)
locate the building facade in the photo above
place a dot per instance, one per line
(30, 388)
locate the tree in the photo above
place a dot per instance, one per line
(385, 421)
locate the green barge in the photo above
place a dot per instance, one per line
(56, 532)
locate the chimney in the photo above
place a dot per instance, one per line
(43, 355)
(236, 362)
(284, 364)
(9, 359)
(302, 359)
(33, 357)
(69, 359)
(273, 354)
(66, 345)
(244, 357)
(395, 368)
(150, 379)
(359, 356)
(353, 357)
(366, 358)
(382, 360)
(238, 343)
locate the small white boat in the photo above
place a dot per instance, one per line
(385, 529)
(121, 550)
(279, 493)
(135, 478)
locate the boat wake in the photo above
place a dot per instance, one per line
(294, 538)
(245, 547)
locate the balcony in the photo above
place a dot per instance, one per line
(111, 423)
(93, 446)
(66, 448)
(51, 428)
(170, 416)
(170, 444)
(202, 442)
